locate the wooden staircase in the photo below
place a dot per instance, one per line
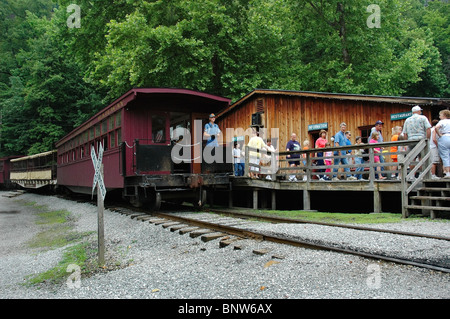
(431, 198)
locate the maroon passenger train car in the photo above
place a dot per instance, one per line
(137, 132)
(5, 168)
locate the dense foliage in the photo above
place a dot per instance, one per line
(55, 73)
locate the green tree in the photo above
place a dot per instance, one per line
(46, 97)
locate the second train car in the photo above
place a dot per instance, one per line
(138, 132)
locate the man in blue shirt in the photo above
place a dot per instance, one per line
(212, 131)
(341, 140)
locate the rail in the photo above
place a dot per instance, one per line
(310, 165)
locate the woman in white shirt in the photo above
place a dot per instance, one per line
(443, 133)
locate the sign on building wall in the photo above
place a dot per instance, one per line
(319, 126)
(400, 116)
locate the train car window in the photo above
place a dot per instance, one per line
(104, 127)
(113, 139)
(105, 142)
(159, 128)
(119, 136)
(97, 130)
(91, 133)
(118, 119)
(109, 123)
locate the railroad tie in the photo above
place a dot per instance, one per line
(178, 227)
(144, 218)
(226, 242)
(261, 251)
(187, 230)
(199, 232)
(165, 225)
(212, 236)
(132, 216)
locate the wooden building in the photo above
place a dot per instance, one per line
(306, 113)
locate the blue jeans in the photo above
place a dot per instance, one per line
(359, 160)
(239, 169)
(344, 161)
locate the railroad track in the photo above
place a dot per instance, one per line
(231, 231)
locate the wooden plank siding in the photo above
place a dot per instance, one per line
(293, 113)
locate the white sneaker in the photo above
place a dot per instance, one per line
(292, 178)
(268, 178)
(435, 177)
(335, 179)
(305, 178)
(352, 178)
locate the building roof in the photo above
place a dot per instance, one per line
(340, 96)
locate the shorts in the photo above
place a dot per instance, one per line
(435, 158)
(444, 150)
(292, 161)
(254, 160)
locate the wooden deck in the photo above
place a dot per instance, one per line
(306, 188)
(413, 169)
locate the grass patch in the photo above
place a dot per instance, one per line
(77, 254)
(57, 230)
(344, 218)
(53, 217)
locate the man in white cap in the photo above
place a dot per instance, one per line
(211, 131)
(417, 126)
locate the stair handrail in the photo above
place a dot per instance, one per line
(422, 150)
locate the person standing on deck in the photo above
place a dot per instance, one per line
(340, 140)
(377, 128)
(293, 145)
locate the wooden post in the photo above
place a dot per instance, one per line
(404, 186)
(376, 200)
(101, 232)
(255, 199)
(306, 200)
(246, 168)
(274, 200)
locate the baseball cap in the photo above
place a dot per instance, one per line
(212, 115)
(378, 122)
(416, 108)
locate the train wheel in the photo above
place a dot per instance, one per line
(136, 202)
(155, 204)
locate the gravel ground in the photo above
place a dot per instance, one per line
(166, 265)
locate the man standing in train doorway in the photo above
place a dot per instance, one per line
(212, 131)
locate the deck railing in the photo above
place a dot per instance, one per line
(412, 167)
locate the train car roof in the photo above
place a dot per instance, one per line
(214, 102)
(33, 156)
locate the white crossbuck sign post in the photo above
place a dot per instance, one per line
(101, 193)
(98, 177)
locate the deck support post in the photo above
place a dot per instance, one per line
(274, 200)
(255, 199)
(376, 200)
(306, 200)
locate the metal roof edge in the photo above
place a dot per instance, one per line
(340, 96)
